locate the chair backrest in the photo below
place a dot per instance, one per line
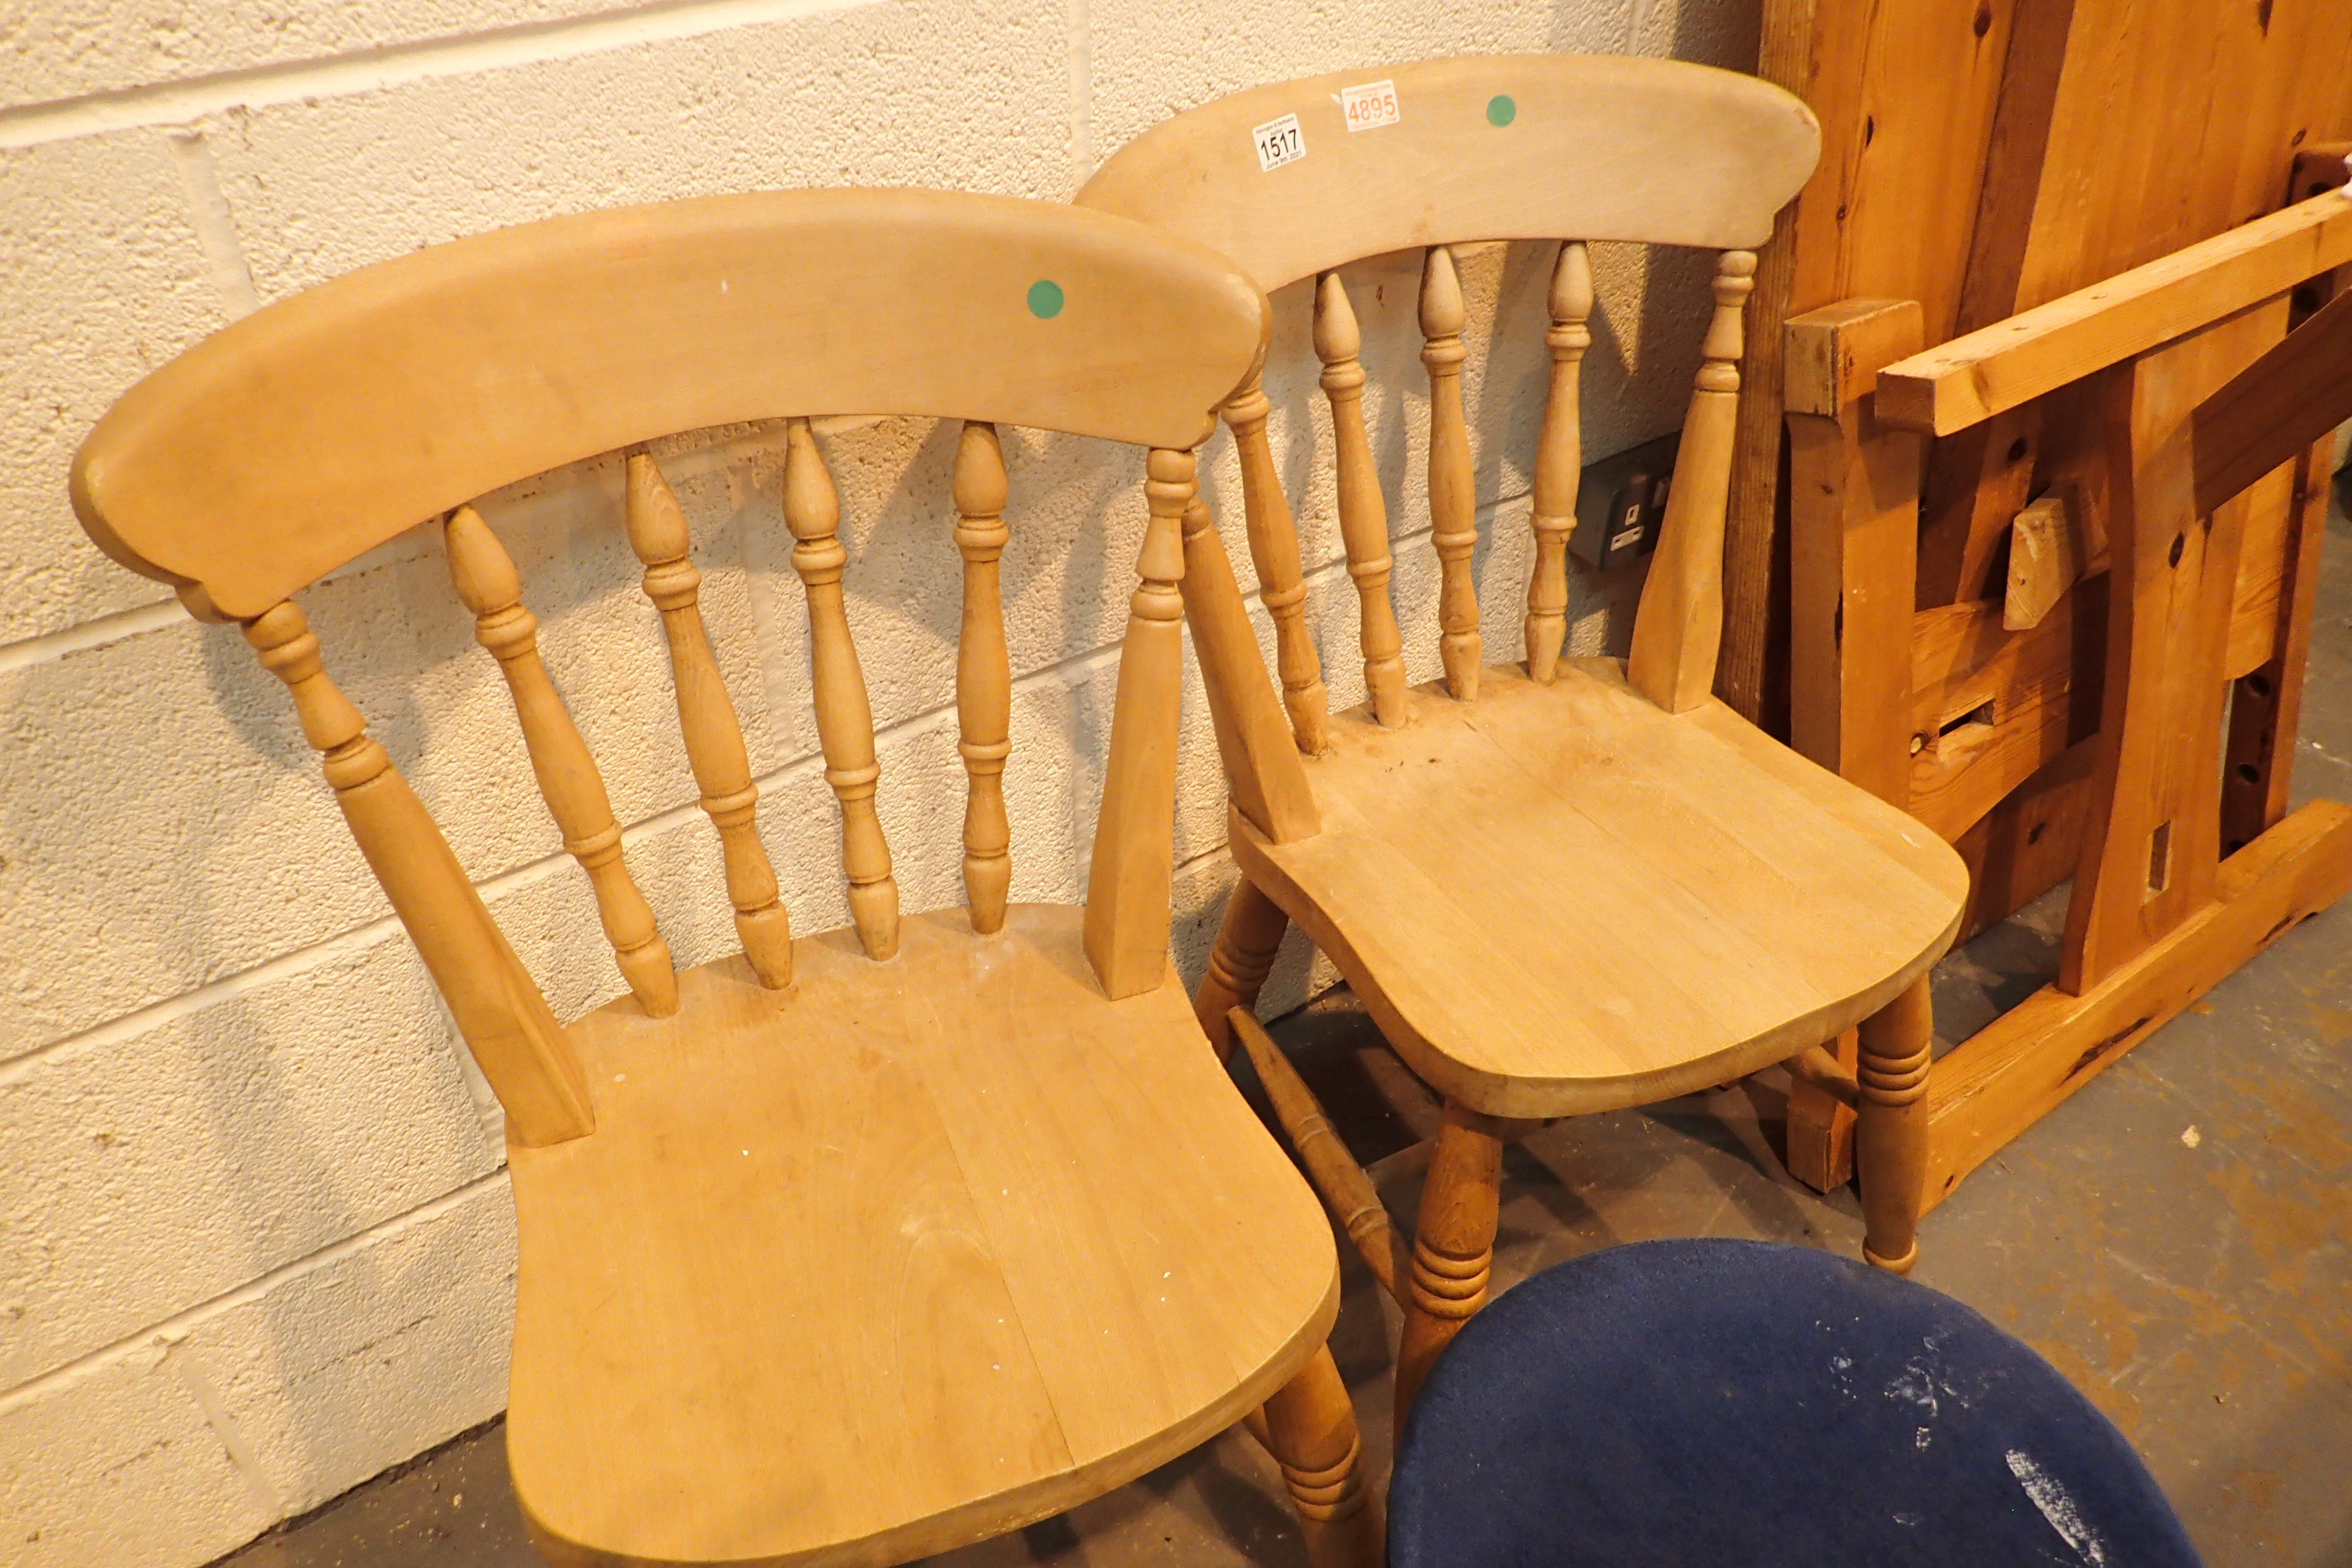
(296, 439)
(1566, 147)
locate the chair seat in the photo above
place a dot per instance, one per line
(1741, 1402)
(1562, 899)
(909, 1255)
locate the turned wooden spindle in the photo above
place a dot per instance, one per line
(1453, 499)
(1355, 1204)
(504, 1020)
(1560, 461)
(984, 675)
(714, 738)
(1452, 1246)
(1248, 937)
(1274, 551)
(1130, 877)
(568, 780)
(1363, 513)
(1891, 1126)
(1679, 627)
(845, 719)
(1309, 1427)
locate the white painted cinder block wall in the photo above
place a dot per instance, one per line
(256, 1243)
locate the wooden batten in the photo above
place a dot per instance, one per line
(983, 674)
(1274, 551)
(714, 738)
(1128, 881)
(1560, 460)
(1363, 513)
(1679, 627)
(499, 1011)
(845, 717)
(1452, 497)
(568, 780)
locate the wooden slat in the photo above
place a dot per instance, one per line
(845, 717)
(1453, 495)
(2275, 407)
(1263, 776)
(1972, 378)
(714, 739)
(514, 1038)
(499, 356)
(2149, 852)
(2026, 1063)
(984, 675)
(1274, 551)
(1363, 513)
(1560, 460)
(1132, 870)
(568, 780)
(1679, 627)
(1477, 154)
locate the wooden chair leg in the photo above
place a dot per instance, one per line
(1454, 1246)
(1310, 1431)
(1891, 1137)
(1246, 940)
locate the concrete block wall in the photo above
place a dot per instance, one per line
(255, 1243)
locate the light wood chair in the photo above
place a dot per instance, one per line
(853, 1247)
(1570, 885)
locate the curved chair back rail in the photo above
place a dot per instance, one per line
(289, 444)
(300, 437)
(1483, 147)
(1747, 1402)
(1569, 147)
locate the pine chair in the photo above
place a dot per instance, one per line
(1572, 885)
(854, 1247)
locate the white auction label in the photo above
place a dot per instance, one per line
(1279, 141)
(1369, 107)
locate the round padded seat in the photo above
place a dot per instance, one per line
(1675, 1403)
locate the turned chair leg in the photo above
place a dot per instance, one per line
(1246, 940)
(1454, 1246)
(1310, 1431)
(1891, 1134)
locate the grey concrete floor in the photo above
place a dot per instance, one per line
(2197, 1288)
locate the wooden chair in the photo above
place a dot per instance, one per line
(1573, 885)
(853, 1247)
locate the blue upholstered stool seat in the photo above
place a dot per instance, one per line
(1737, 1405)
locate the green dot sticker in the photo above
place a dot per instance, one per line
(1500, 110)
(1045, 299)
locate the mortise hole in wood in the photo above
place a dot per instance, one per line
(2033, 833)
(2179, 543)
(1980, 714)
(2260, 685)
(2249, 773)
(2018, 449)
(2159, 857)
